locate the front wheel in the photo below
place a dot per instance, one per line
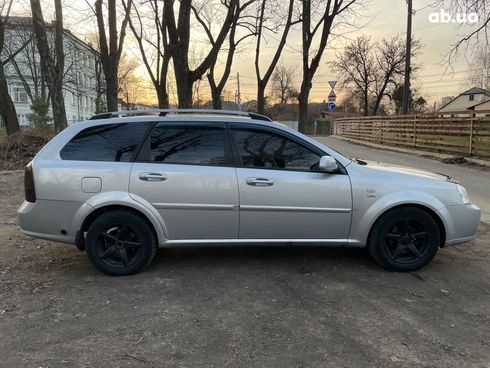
(404, 239)
(120, 243)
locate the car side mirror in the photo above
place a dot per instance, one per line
(328, 164)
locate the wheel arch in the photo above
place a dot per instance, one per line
(107, 202)
(427, 209)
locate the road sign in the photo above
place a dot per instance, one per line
(332, 84)
(332, 96)
(332, 105)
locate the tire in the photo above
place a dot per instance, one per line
(120, 243)
(404, 239)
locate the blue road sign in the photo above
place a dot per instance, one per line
(332, 105)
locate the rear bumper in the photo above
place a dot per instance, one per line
(51, 237)
(50, 220)
(461, 223)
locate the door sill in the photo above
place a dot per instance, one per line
(277, 242)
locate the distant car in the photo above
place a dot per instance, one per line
(120, 187)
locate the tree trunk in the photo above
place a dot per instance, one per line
(111, 88)
(52, 66)
(366, 104)
(303, 109)
(260, 98)
(216, 97)
(59, 111)
(179, 40)
(7, 108)
(184, 86)
(111, 46)
(162, 97)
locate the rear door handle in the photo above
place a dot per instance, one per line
(151, 176)
(260, 182)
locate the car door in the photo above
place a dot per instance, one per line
(185, 171)
(283, 195)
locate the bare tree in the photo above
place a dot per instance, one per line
(310, 50)
(179, 42)
(356, 69)
(23, 58)
(479, 74)
(52, 63)
(390, 60)
(262, 81)
(111, 45)
(128, 82)
(479, 35)
(153, 44)
(7, 108)
(371, 71)
(283, 83)
(240, 21)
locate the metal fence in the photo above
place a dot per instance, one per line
(464, 132)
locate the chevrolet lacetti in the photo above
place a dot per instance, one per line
(120, 186)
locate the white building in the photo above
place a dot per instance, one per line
(83, 76)
(466, 100)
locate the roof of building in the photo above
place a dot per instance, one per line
(22, 22)
(471, 91)
(476, 91)
(479, 104)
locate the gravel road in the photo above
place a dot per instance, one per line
(238, 307)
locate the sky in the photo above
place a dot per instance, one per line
(378, 19)
(385, 19)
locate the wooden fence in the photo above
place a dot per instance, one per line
(464, 133)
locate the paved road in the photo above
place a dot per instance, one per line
(477, 182)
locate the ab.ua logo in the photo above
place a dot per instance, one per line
(444, 17)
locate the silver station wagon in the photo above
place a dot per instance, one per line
(121, 186)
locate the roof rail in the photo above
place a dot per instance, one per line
(164, 112)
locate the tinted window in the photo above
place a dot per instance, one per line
(110, 142)
(263, 149)
(187, 145)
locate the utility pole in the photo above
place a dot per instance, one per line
(406, 86)
(238, 96)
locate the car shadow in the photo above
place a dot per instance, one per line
(264, 255)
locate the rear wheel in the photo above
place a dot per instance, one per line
(120, 243)
(404, 239)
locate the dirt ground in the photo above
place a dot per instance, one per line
(238, 307)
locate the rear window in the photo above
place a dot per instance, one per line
(110, 142)
(189, 145)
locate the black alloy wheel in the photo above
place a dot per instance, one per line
(120, 242)
(404, 239)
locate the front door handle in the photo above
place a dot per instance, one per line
(151, 176)
(260, 182)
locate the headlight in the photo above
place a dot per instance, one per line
(464, 194)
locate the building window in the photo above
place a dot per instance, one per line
(472, 97)
(73, 99)
(19, 94)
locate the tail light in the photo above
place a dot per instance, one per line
(29, 190)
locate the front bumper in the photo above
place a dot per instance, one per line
(461, 223)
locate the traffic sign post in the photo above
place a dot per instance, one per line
(332, 97)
